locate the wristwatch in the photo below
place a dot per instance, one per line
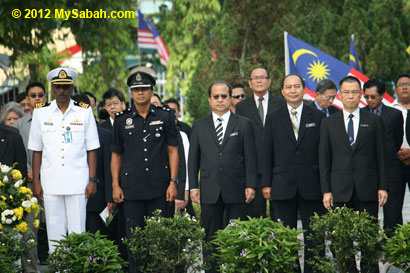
(174, 180)
(95, 179)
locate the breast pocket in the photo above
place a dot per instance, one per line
(77, 133)
(156, 132)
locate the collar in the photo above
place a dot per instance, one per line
(396, 103)
(379, 109)
(225, 116)
(318, 106)
(54, 106)
(356, 113)
(298, 110)
(265, 98)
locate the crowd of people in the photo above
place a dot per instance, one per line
(304, 157)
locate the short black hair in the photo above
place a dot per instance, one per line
(20, 97)
(103, 114)
(261, 67)
(156, 95)
(350, 78)
(219, 82)
(112, 92)
(402, 75)
(324, 85)
(238, 85)
(35, 84)
(381, 88)
(91, 95)
(292, 74)
(81, 97)
(173, 100)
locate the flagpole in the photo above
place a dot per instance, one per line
(287, 67)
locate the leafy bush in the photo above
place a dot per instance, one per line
(12, 248)
(397, 248)
(347, 232)
(85, 252)
(257, 245)
(168, 244)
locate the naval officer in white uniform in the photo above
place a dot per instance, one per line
(64, 138)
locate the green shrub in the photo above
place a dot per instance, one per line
(257, 245)
(347, 232)
(12, 248)
(168, 244)
(85, 252)
(397, 248)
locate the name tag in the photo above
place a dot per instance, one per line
(157, 122)
(233, 134)
(308, 125)
(68, 137)
(364, 125)
(48, 123)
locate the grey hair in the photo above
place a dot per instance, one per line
(11, 106)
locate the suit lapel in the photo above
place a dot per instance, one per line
(254, 111)
(306, 115)
(3, 143)
(287, 123)
(229, 128)
(341, 129)
(211, 128)
(361, 132)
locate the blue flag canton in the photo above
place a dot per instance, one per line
(354, 58)
(313, 64)
(144, 23)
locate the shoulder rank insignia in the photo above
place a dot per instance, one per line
(81, 104)
(123, 112)
(41, 104)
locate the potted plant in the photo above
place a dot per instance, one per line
(397, 248)
(257, 245)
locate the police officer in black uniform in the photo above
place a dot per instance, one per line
(145, 148)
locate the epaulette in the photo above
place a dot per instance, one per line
(41, 104)
(164, 107)
(123, 112)
(81, 104)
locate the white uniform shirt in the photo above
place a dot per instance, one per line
(356, 120)
(403, 110)
(64, 166)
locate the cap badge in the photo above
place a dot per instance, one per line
(128, 121)
(62, 74)
(138, 77)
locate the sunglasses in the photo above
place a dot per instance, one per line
(237, 96)
(65, 87)
(39, 95)
(373, 97)
(223, 96)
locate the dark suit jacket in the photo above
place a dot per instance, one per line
(408, 126)
(393, 125)
(343, 168)
(289, 165)
(226, 169)
(182, 126)
(181, 169)
(12, 149)
(332, 109)
(248, 108)
(104, 187)
(106, 125)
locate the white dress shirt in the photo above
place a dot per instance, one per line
(112, 121)
(225, 119)
(403, 110)
(356, 120)
(264, 104)
(64, 165)
(298, 112)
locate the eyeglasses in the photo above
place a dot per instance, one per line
(404, 84)
(237, 96)
(259, 78)
(114, 103)
(39, 95)
(223, 96)
(373, 97)
(354, 92)
(329, 98)
(65, 87)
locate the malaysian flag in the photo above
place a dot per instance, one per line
(148, 37)
(354, 58)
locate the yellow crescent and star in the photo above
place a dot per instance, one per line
(318, 70)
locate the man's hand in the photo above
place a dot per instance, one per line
(179, 204)
(29, 176)
(117, 194)
(328, 200)
(266, 192)
(171, 191)
(91, 189)
(249, 195)
(37, 190)
(111, 206)
(382, 196)
(403, 154)
(195, 196)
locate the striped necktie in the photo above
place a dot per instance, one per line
(295, 123)
(219, 131)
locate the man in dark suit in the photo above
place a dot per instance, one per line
(223, 149)
(352, 158)
(290, 170)
(393, 124)
(182, 126)
(114, 103)
(255, 108)
(325, 95)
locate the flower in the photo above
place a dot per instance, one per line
(244, 252)
(6, 179)
(22, 226)
(36, 223)
(5, 169)
(16, 174)
(34, 200)
(1, 226)
(26, 204)
(1, 184)
(19, 212)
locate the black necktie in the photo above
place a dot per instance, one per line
(219, 131)
(350, 130)
(260, 109)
